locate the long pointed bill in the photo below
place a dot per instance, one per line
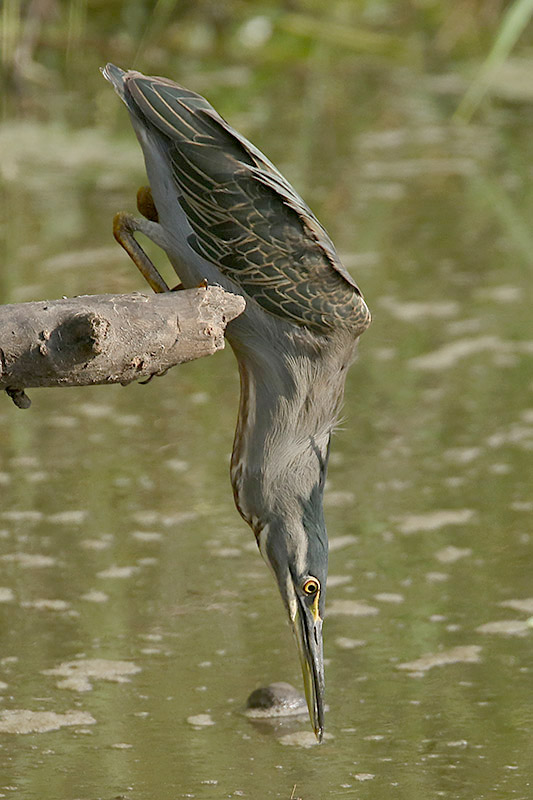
(308, 632)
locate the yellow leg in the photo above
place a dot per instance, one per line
(124, 226)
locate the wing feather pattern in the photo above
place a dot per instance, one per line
(246, 218)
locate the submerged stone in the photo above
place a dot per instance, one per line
(275, 700)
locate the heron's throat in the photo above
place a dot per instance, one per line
(286, 415)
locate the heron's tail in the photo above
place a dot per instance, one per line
(115, 76)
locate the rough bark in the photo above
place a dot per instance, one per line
(98, 339)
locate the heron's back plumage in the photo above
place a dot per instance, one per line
(246, 219)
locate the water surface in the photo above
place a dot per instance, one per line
(136, 614)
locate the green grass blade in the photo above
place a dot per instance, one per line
(514, 22)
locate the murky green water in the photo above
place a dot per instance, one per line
(121, 550)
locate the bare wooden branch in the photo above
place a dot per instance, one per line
(98, 339)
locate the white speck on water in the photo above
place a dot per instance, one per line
(146, 517)
(121, 746)
(29, 517)
(506, 627)
(389, 597)
(519, 435)
(336, 499)
(434, 520)
(25, 462)
(525, 605)
(352, 608)
(79, 674)
(501, 294)
(25, 721)
(97, 544)
(45, 604)
(169, 520)
(63, 421)
(200, 720)
(412, 312)
(436, 577)
(94, 596)
(348, 644)
(462, 455)
(146, 536)
(363, 776)
(127, 420)
(37, 477)
(152, 518)
(450, 354)
(451, 554)
(500, 469)
(338, 580)
(6, 594)
(29, 560)
(384, 353)
(72, 517)
(117, 572)
(95, 411)
(340, 542)
(177, 465)
(226, 552)
(199, 398)
(463, 654)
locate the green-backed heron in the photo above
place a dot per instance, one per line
(225, 215)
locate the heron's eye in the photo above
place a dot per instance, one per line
(311, 586)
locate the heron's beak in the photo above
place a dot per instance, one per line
(307, 627)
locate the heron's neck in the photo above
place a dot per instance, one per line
(289, 403)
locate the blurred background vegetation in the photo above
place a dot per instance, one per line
(312, 83)
(49, 47)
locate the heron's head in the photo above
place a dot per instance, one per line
(297, 552)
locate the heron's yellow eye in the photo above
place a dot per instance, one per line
(311, 586)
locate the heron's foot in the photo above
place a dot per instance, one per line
(146, 205)
(124, 226)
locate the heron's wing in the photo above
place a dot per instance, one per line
(246, 218)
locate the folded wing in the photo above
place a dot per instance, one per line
(246, 218)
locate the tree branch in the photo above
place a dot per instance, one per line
(98, 339)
